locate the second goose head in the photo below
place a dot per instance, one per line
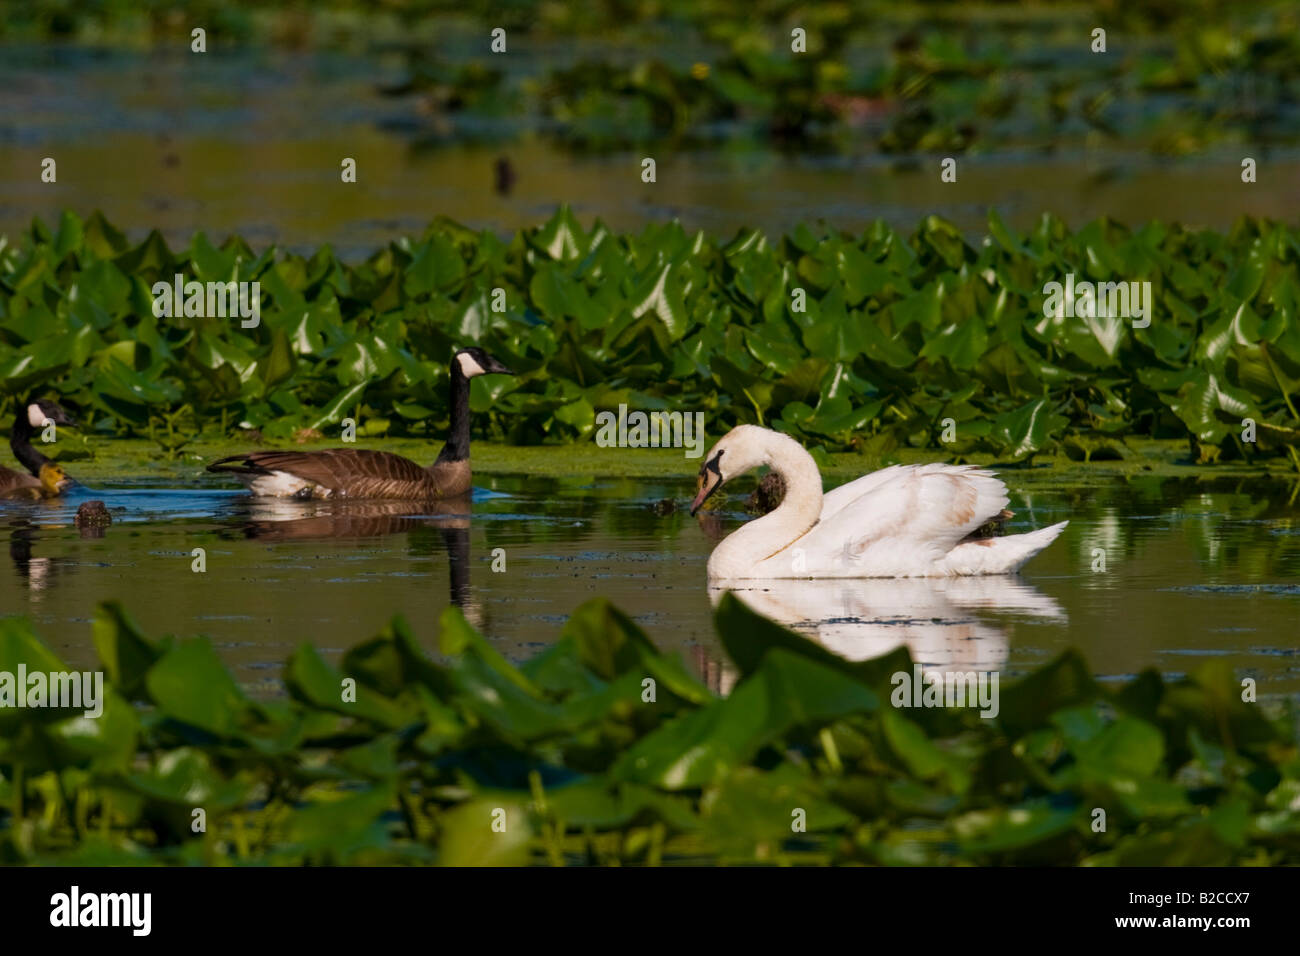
(474, 361)
(42, 411)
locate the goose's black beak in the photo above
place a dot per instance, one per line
(58, 416)
(496, 368)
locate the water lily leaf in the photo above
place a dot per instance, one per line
(340, 406)
(190, 684)
(209, 263)
(125, 652)
(961, 343)
(23, 654)
(600, 805)
(310, 679)
(486, 832)
(458, 637)
(660, 294)
(1029, 703)
(107, 739)
(1241, 327)
(334, 831)
(1027, 429)
(185, 778)
(942, 238)
(923, 308)
(437, 266)
(278, 365)
(1195, 845)
(1210, 407)
(748, 637)
(1128, 747)
(1014, 828)
(1248, 275)
(103, 284)
(610, 644)
(561, 237)
(1007, 238)
(862, 276)
(925, 760)
(151, 259)
(752, 811)
(786, 691)
(101, 238)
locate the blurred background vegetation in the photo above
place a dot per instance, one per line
(1175, 78)
(746, 131)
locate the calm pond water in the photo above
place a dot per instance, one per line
(1193, 569)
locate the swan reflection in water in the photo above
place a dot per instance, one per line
(284, 519)
(942, 621)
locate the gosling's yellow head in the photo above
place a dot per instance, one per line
(54, 480)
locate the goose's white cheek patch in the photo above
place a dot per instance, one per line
(278, 484)
(468, 366)
(35, 416)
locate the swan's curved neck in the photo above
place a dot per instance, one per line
(774, 532)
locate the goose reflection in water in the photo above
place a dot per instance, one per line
(942, 622)
(286, 519)
(37, 573)
(41, 573)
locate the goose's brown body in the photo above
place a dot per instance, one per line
(346, 473)
(358, 473)
(14, 484)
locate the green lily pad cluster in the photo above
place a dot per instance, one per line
(866, 342)
(602, 750)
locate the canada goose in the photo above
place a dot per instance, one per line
(899, 522)
(357, 473)
(47, 479)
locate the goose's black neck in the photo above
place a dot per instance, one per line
(457, 446)
(20, 440)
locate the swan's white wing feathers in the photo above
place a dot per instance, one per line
(851, 491)
(914, 514)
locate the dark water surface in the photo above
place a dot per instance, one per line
(1194, 569)
(250, 143)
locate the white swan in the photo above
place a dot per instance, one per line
(900, 522)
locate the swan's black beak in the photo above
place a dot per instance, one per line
(710, 481)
